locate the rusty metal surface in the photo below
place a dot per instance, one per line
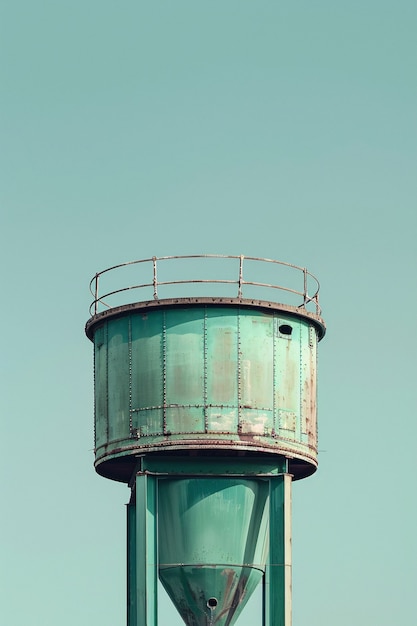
(296, 284)
(205, 404)
(204, 378)
(213, 545)
(267, 305)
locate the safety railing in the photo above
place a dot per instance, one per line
(307, 282)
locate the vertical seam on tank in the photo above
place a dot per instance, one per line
(95, 394)
(275, 430)
(313, 369)
(300, 375)
(205, 370)
(315, 348)
(310, 346)
(239, 377)
(129, 331)
(310, 414)
(164, 371)
(107, 383)
(316, 388)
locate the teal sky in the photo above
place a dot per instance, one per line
(284, 130)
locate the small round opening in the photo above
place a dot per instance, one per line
(212, 603)
(285, 329)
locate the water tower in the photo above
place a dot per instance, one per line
(205, 405)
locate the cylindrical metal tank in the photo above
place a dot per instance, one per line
(214, 375)
(206, 406)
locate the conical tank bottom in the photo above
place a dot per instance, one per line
(210, 595)
(212, 545)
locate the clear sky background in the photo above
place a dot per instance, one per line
(277, 129)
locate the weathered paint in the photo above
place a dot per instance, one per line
(204, 377)
(213, 544)
(207, 407)
(142, 550)
(212, 539)
(278, 576)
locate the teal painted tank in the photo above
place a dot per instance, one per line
(222, 375)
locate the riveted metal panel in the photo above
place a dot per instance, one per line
(305, 382)
(147, 373)
(229, 378)
(100, 387)
(119, 381)
(308, 386)
(256, 372)
(311, 409)
(287, 377)
(184, 366)
(221, 370)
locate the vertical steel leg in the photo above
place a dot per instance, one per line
(142, 558)
(277, 604)
(131, 562)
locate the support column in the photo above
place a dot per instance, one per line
(131, 561)
(277, 604)
(142, 553)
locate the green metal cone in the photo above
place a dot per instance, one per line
(210, 594)
(212, 545)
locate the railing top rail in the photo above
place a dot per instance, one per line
(200, 256)
(308, 280)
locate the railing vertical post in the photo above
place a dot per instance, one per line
(240, 275)
(155, 279)
(305, 286)
(96, 295)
